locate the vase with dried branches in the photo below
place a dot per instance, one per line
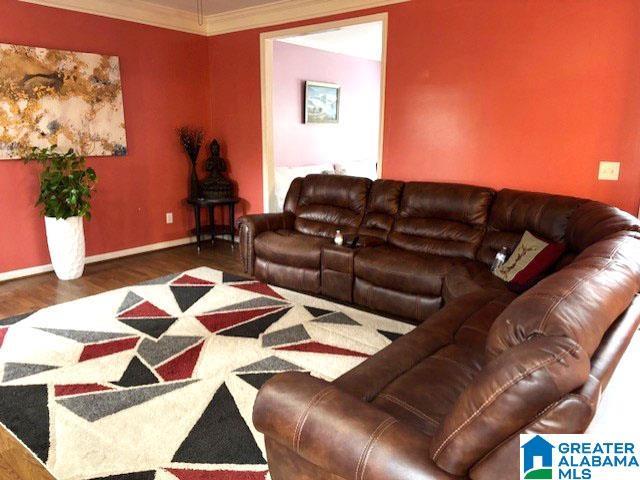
(191, 141)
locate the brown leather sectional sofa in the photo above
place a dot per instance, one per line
(449, 399)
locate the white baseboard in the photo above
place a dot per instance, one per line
(25, 272)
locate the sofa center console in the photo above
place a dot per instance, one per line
(337, 272)
(337, 266)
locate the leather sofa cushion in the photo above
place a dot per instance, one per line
(441, 219)
(398, 269)
(293, 196)
(505, 396)
(382, 206)
(464, 322)
(470, 277)
(581, 301)
(294, 278)
(424, 395)
(338, 433)
(331, 202)
(409, 306)
(286, 247)
(418, 378)
(513, 212)
(594, 221)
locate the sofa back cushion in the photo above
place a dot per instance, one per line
(330, 202)
(581, 301)
(594, 221)
(513, 212)
(442, 219)
(293, 196)
(382, 207)
(505, 396)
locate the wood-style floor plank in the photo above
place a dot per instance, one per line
(40, 291)
(34, 293)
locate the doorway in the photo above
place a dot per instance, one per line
(323, 89)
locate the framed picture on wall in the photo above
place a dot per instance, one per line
(321, 102)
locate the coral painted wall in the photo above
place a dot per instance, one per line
(354, 139)
(165, 85)
(504, 93)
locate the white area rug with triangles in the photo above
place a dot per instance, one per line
(157, 381)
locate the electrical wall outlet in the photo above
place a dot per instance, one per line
(609, 171)
(169, 218)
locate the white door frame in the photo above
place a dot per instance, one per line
(266, 77)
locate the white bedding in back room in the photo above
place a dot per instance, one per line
(285, 175)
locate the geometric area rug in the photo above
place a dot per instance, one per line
(157, 381)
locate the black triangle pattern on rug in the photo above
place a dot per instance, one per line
(390, 335)
(137, 374)
(29, 422)
(154, 327)
(254, 328)
(220, 436)
(148, 475)
(187, 296)
(231, 278)
(317, 312)
(257, 380)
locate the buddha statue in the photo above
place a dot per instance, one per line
(216, 185)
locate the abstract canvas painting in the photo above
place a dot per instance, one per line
(55, 97)
(322, 102)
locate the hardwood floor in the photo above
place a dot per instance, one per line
(33, 293)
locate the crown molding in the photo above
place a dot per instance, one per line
(276, 13)
(285, 11)
(137, 11)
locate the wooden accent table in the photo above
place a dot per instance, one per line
(198, 203)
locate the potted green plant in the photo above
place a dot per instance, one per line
(66, 185)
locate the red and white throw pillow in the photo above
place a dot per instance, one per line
(529, 261)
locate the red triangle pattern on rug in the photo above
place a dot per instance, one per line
(66, 390)
(96, 350)
(182, 366)
(144, 310)
(217, 475)
(214, 322)
(189, 280)
(3, 333)
(258, 287)
(316, 347)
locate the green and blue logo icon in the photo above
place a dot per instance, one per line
(537, 459)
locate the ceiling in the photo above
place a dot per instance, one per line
(363, 40)
(211, 7)
(220, 16)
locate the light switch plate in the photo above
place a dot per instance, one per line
(609, 171)
(169, 217)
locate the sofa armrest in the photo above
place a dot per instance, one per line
(340, 433)
(251, 226)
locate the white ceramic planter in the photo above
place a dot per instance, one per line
(65, 238)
